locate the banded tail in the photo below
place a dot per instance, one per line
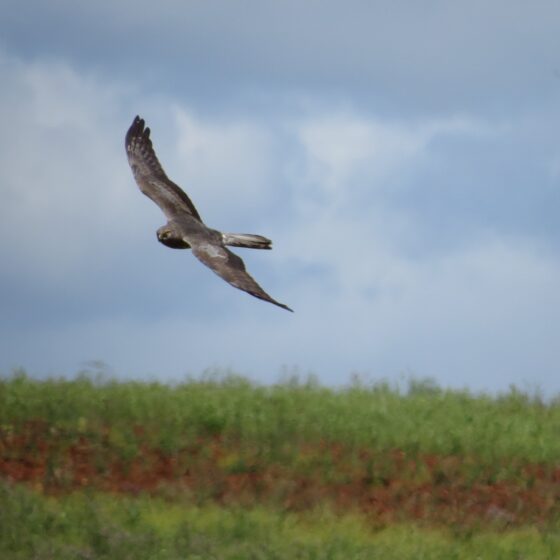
(247, 240)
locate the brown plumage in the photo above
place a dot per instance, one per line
(185, 228)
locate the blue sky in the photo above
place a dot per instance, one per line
(404, 158)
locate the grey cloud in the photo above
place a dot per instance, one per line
(344, 193)
(405, 58)
(481, 318)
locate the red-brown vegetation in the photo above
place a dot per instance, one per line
(386, 486)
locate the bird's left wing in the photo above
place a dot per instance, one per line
(151, 177)
(231, 268)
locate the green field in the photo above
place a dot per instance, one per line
(220, 467)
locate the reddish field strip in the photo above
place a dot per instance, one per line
(386, 486)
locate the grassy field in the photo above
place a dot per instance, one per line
(223, 468)
(93, 525)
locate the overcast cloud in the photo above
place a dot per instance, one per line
(405, 162)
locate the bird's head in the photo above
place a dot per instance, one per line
(170, 238)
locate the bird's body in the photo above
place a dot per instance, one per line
(185, 228)
(172, 237)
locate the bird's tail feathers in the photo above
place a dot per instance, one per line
(248, 240)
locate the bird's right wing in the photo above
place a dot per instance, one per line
(230, 267)
(151, 177)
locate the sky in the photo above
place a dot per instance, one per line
(403, 157)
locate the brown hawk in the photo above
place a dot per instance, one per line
(185, 228)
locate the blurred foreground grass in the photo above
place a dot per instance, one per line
(101, 526)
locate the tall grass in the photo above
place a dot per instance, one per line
(424, 419)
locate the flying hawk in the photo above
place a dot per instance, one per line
(185, 228)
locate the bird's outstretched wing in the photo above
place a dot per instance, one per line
(231, 268)
(151, 177)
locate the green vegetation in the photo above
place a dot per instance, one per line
(220, 467)
(425, 419)
(84, 526)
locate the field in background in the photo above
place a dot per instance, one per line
(223, 468)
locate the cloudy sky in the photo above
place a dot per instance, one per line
(403, 156)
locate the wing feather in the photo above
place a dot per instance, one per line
(230, 267)
(151, 177)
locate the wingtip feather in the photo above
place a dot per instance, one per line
(137, 130)
(282, 305)
(265, 297)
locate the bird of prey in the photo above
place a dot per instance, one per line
(185, 228)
